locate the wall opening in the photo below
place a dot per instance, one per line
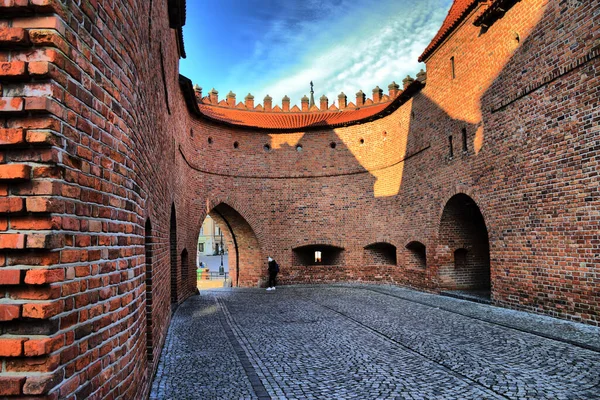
(416, 255)
(236, 243)
(164, 80)
(380, 254)
(185, 266)
(173, 255)
(450, 147)
(463, 232)
(150, 22)
(148, 255)
(318, 257)
(212, 256)
(317, 254)
(464, 140)
(453, 70)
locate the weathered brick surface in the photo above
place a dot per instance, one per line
(95, 159)
(77, 159)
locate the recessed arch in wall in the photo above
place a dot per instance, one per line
(317, 254)
(380, 253)
(464, 235)
(416, 255)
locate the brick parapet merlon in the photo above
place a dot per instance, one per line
(342, 104)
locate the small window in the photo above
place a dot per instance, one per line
(452, 67)
(191, 132)
(299, 148)
(210, 140)
(464, 139)
(362, 141)
(201, 247)
(451, 153)
(318, 258)
(332, 145)
(267, 147)
(236, 145)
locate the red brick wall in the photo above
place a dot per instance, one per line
(85, 142)
(528, 111)
(394, 185)
(92, 147)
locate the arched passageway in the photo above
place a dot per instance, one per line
(247, 264)
(466, 251)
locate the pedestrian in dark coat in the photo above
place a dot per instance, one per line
(273, 271)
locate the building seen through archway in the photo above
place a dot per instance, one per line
(212, 256)
(228, 250)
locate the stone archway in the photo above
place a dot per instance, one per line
(464, 246)
(247, 265)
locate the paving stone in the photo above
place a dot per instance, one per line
(365, 342)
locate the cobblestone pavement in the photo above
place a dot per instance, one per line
(369, 342)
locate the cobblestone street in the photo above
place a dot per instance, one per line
(370, 342)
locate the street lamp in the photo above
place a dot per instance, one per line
(221, 268)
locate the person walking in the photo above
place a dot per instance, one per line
(273, 271)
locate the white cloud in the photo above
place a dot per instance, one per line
(359, 49)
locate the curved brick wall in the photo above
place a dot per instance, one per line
(86, 141)
(93, 148)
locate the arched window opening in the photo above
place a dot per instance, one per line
(380, 254)
(417, 255)
(173, 255)
(148, 261)
(318, 254)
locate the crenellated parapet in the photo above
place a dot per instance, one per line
(361, 100)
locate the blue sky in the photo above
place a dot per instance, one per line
(277, 47)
